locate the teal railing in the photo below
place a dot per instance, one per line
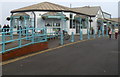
(28, 35)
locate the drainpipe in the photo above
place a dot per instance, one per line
(11, 20)
(34, 19)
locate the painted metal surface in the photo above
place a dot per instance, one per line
(34, 37)
(72, 38)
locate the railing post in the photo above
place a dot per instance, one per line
(11, 33)
(19, 38)
(72, 39)
(81, 36)
(32, 35)
(94, 34)
(102, 31)
(27, 33)
(61, 38)
(45, 32)
(88, 34)
(107, 30)
(98, 33)
(3, 42)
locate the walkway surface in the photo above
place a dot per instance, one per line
(54, 43)
(91, 57)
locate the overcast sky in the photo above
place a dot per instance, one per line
(109, 6)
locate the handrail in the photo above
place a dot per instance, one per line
(30, 35)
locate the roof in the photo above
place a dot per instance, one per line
(21, 14)
(47, 6)
(43, 6)
(114, 19)
(89, 10)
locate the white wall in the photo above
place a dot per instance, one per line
(41, 23)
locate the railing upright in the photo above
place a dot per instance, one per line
(11, 33)
(98, 33)
(72, 39)
(19, 43)
(88, 34)
(3, 42)
(61, 38)
(33, 35)
(81, 36)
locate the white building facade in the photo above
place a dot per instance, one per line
(56, 17)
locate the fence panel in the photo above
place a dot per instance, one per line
(12, 39)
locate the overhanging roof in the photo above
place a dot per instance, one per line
(21, 14)
(47, 6)
(88, 10)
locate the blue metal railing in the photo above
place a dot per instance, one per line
(32, 35)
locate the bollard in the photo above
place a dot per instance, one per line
(98, 33)
(94, 34)
(81, 36)
(72, 39)
(61, 38)
(88, 34)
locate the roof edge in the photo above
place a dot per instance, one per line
(52, 11)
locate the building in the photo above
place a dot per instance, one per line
(97, 16)
(56, 17)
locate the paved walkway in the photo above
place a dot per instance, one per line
(54, 43)
(91, 57)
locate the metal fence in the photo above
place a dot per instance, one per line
(13, 39)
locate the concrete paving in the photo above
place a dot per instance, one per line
(93, 57)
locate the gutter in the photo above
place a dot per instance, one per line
(52, 11)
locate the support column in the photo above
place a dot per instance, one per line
(102, 29)
(107, 29)
(88, 32)
(81, 38)
(61, 32)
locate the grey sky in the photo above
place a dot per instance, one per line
(6, 7)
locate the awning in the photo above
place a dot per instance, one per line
(53, 15)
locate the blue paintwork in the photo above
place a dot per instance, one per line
(94, 35)
(88, 33)
(61, 38)
(107, 30)
(98, 33)
(72, 39)
(81, 35)
(42, 38)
